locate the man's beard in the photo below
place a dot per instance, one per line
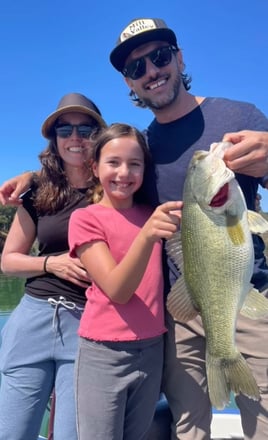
(166, 101)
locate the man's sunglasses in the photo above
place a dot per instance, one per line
(159, 57)
(66, 130)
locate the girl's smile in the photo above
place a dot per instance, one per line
(120, 171)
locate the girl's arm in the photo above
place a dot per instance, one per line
(119, 281)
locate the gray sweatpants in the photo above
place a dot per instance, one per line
(117, 388)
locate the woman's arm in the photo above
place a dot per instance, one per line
(16, 260)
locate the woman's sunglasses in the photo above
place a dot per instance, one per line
(66, 130)
(159, 57)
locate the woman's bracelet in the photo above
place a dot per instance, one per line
(45, 264)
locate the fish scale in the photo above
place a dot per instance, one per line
(214, 252)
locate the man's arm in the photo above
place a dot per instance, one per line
(11, 190)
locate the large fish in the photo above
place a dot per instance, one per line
(214, 252)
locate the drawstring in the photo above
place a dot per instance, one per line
(62, 301)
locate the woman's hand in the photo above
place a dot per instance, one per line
(71, 269)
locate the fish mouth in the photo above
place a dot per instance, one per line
(221, 197)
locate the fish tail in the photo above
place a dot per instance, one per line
(241, 378)
(218, 387)
(226, 375)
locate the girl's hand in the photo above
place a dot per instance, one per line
(164, 221)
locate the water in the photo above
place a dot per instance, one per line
(11, 290)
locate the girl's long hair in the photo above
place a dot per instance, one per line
(115, 131)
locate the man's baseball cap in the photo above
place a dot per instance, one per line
(138, 32)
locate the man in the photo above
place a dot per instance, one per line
(148, 56)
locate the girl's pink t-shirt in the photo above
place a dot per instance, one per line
(104, 320)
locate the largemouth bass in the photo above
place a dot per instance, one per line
(214, 252)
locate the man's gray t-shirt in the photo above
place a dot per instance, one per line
(172, 146)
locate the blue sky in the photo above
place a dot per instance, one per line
(54, 47)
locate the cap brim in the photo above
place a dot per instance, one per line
(47, 127)
(119, 55)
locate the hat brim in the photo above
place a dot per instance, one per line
(48, 125)
(119, 55)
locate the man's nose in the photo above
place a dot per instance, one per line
(151, 69)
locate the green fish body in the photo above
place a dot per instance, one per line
(214, 251)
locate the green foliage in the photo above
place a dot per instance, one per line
(6, 217)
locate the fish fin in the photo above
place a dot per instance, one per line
(174, 250)
(255, 305)
(235, 230)
(218, 387)
(179, 303)
(257, 223)
(226, 375)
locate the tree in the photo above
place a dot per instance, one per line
(6, 217)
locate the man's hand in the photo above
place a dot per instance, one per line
(249, 154)
(11, 189)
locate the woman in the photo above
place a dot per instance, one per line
(39, 341)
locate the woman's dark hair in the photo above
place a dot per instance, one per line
(115, 131)
(53, 190)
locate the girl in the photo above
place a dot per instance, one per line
(118, 240)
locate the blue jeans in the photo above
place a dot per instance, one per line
(117, 388)
(39, 346)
